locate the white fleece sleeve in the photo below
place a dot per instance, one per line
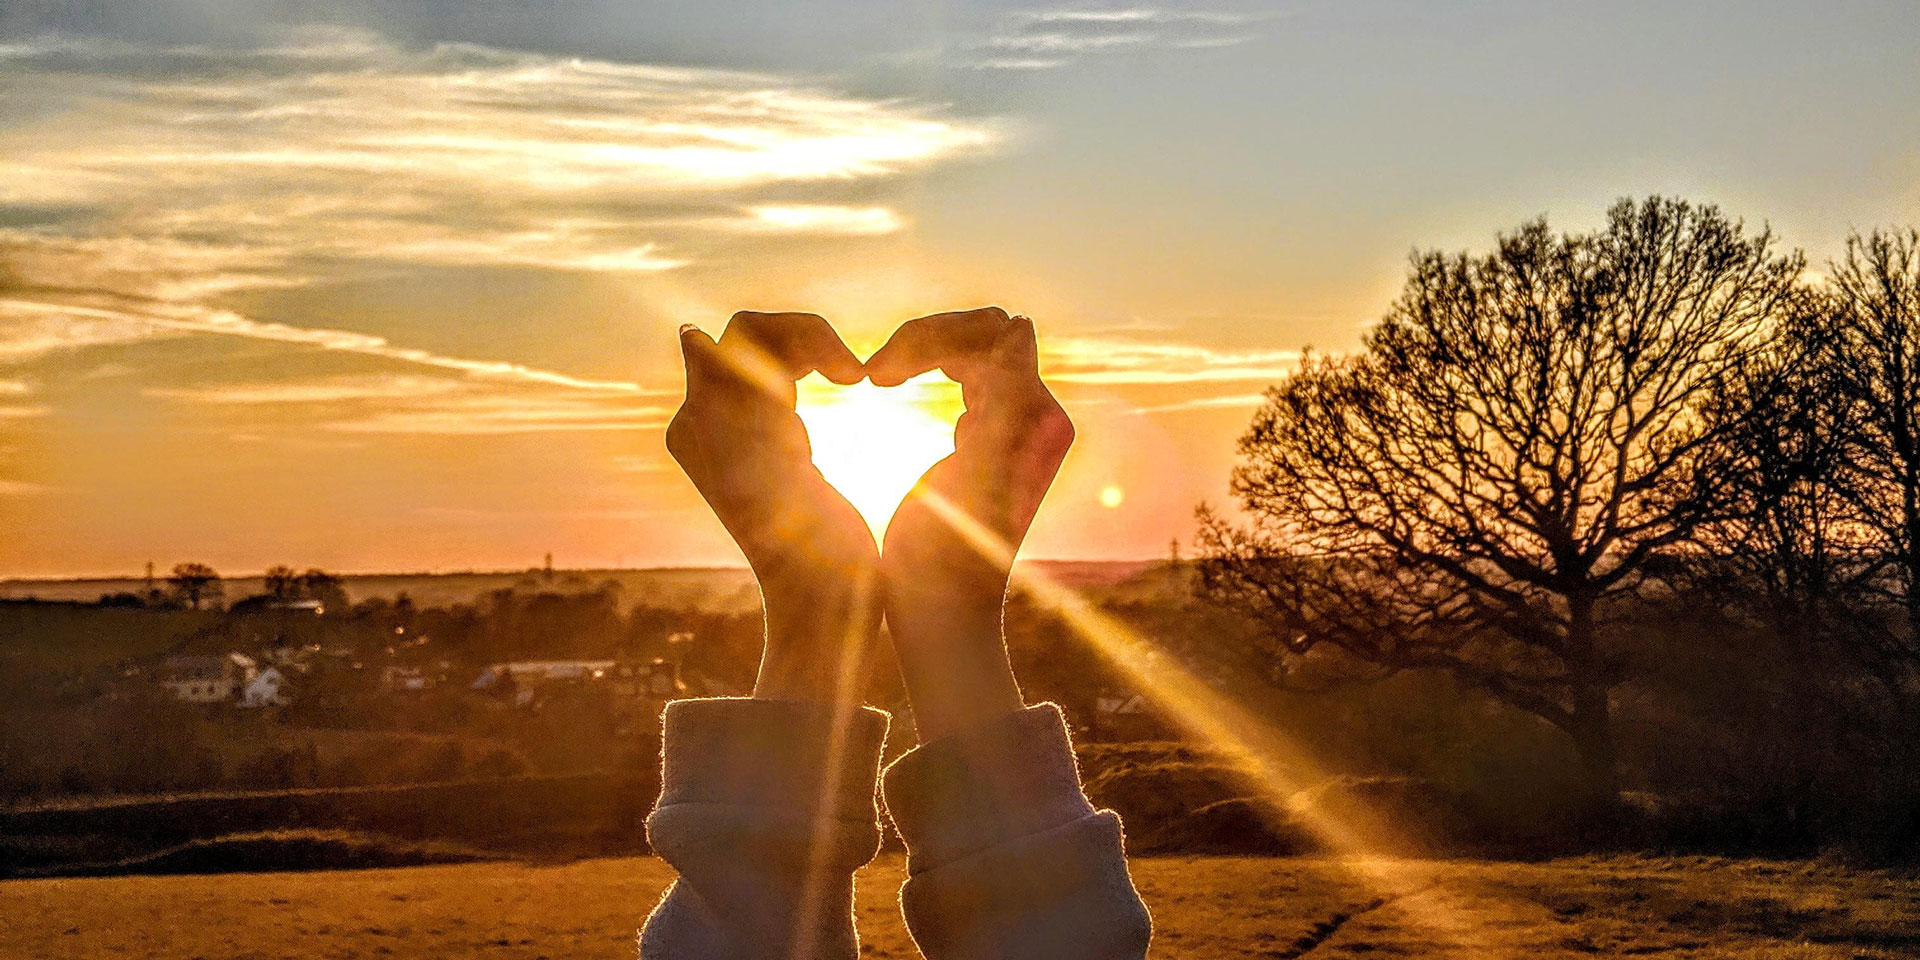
(766, 809)
(1006, 859)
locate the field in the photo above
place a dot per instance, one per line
(1204, 909)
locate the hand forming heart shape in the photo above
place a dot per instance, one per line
(949, 546)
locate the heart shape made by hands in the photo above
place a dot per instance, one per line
(873, 443)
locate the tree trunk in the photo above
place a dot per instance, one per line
(1592, 722)
(1910, 563)
(1593, 741)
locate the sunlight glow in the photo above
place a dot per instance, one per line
(1111, 496)
(1362, 840)
(815, 899)
(873, 443)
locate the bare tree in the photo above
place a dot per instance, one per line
(1481, 488)
(194, 584)
(1794, 557)
(1874, 332)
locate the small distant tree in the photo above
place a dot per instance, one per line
(1481, 487)
(194, 584)
(330, 590)
(281, 583)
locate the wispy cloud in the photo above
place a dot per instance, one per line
(29, 328)
(817, 218)
(1044, 39)
(183, 172)
(1138, 362)
(473, 415)
(439, 405)
(1243, 400)
(20, 488)
(328, 390)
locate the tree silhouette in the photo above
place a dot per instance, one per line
(1795, 558)
(330, 590)
(194, 583)
(281, 583)
(1873, 329)
(1482, 488)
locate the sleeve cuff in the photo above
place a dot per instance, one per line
(771, 753)
(1005, 779)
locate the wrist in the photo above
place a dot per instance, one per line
(956, 669)
(817, 644)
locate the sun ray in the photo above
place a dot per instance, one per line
(846, 701)
(1361, 840)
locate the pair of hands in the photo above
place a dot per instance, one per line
(940, 577)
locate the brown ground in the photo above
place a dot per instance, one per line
(1204, 908)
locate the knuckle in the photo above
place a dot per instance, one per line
(1051, 421)
(994, 313)
(680, 435)
(752, 325)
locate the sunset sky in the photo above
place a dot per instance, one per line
(395, 287)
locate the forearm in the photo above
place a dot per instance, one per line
(820, 633)
(953, 658)
(766, 809)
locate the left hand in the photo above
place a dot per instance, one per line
(740, 441)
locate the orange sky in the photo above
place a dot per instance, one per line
(397, 290)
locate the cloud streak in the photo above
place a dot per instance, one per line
(428, 405)
(1242, 400)
(185, 172)
(1127, 362)
(819, 219)
(329, 390)
(30, 328)
(499, 414)
(1045, 39)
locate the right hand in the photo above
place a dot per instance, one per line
(950, 546)
(740, 441)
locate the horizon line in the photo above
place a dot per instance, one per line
(664, 568)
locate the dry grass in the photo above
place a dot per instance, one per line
(1205, 908)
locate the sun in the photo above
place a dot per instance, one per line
(873, 443)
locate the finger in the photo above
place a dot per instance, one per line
(774, 347)
(702, 358)
(959, 343)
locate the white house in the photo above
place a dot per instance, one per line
(268, 688)
(207, 679)
(538, 670)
